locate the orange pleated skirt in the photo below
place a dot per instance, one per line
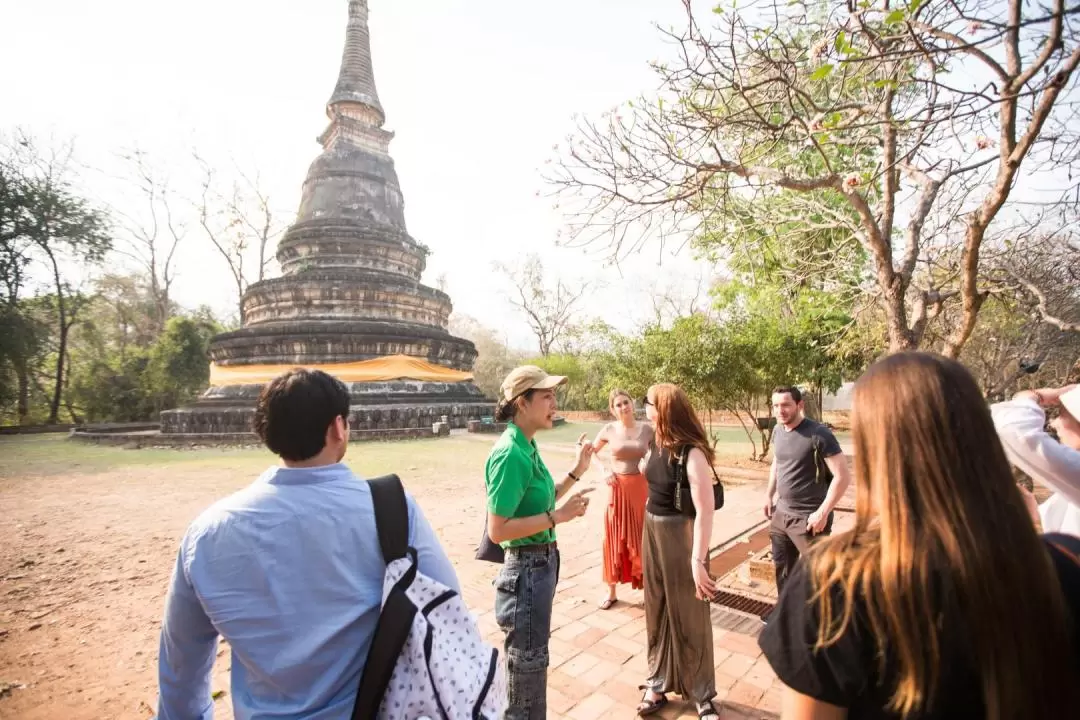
(623, 526)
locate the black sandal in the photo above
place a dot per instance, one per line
(650, 707)
(707, 710)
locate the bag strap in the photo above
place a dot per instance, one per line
(391, 516)
(683, 461)
(680, 465)
(396, 618)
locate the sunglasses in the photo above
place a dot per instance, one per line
(645, 401)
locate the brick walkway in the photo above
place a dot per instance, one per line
(597, 656)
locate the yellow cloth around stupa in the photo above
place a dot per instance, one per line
(391, 367)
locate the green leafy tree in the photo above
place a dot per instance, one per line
(51, 224)
(178, 363)
(122, 371)
(769, 339)
(112, 389)
(906, 127)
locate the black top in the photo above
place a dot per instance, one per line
(660, 474)
(802, 477)
(845, 674)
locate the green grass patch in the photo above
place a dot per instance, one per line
(568, 433)
(49, 455)
(54, 454)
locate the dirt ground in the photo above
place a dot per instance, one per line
(89, 538)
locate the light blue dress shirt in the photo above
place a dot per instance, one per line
(289, 571)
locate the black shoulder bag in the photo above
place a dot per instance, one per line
(489, 551)
(684, 502)
(396, 618)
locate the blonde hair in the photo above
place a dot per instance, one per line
(615, 395)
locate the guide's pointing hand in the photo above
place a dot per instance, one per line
(576, 504)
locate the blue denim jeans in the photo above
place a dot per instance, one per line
(524, 594)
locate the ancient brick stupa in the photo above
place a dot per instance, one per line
(349, 300)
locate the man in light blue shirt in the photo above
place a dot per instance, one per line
(288, 571)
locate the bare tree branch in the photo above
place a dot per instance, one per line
(911, 131)
(549, 310)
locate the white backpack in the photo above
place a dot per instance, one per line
(428, 660)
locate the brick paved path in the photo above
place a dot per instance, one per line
(598, 657)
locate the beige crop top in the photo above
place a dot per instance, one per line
(627, 447)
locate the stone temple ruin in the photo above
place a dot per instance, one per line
(349, 300)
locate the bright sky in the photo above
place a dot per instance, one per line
(478, 92)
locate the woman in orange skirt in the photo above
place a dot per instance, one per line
(629, 441)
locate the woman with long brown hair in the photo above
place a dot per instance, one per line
(628, 441)
(942, 601)
(675, 556)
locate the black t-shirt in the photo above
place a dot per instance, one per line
(802, 477)
(845, 674)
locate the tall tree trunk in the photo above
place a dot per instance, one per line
(61, 354)
(75, 419)
(896, 320)
(23, 375)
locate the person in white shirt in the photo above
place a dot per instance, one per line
(1021, 425)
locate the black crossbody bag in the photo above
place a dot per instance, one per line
(684, 502)
(489, 551)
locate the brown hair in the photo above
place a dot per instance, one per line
(506, 410)
(615, 395)
(677, 425)
(943, 543)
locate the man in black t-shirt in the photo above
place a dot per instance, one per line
(808, 477)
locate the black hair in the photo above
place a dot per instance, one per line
(794, 392)
(295, 410)
(507, 409)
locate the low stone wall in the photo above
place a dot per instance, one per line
(114, 428)
(478, 426)
(34, 429)
(154, 439)
(212, 419)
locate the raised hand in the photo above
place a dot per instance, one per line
(575, 506)
(584, 454)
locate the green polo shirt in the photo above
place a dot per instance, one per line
(518, 483)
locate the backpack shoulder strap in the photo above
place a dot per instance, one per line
(396, 618)
(391, 516)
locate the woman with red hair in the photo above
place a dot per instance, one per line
(675, 556)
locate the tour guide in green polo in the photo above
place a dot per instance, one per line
(522, 516)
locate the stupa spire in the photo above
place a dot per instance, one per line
(349, 292)
(356, 79)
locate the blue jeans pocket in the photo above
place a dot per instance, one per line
(506, 596)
